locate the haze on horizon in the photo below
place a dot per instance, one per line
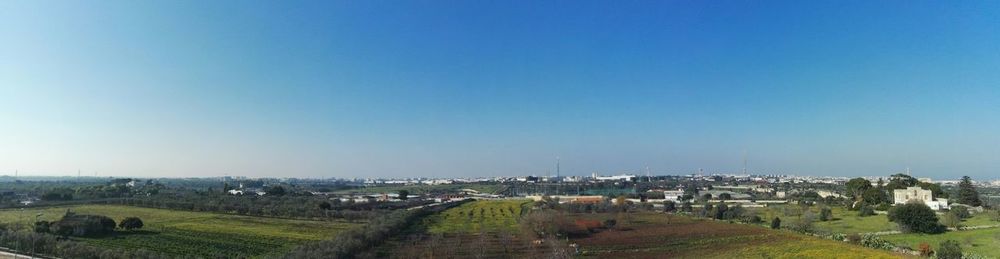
(481, 88)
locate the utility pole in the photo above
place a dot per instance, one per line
(33, 238)
(20, 219)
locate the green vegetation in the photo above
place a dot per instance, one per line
(979, 241)
(915, 217)
(478, 216)
(192, 233)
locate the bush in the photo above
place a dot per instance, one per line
(995, 215)
(42, 227)
(951, 220)
(865, 211)
(825, 214)
(610, 223)
(669, 206)
(73, 224)
(873, 241)
(883, 207)
(130, 223)
(776, 223)
(804, 223)
(686, 207)
(961, 211)
(949, 249)
(915, 217)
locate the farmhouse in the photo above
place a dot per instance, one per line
(902, 196)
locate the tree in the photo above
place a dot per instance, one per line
(42, 226)
(935, 189)
(855, 187)
(719, 212)
(901, 181)
(776, 223)
(949, 249)
(825, 214)
(874, 196)
(669, 206)
(325, 205)
(686, 207)
(915, 217)
(404, 194)
(130, 223)
(725, 196)
(967, 193)
(275, 190)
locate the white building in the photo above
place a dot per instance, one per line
(622, 177)
(673, 195)
(902, 196)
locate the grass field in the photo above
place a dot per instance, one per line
(652, 235)
(478, 216)
(982, 242)
(193, 233)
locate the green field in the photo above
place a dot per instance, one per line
(982, 242)
(193, 233)
(478, 216)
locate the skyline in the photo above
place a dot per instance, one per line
(453, 88)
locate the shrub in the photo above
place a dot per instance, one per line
(949, 249)
(42, 227)
(669, 206)
(73, 224)
(865, 211)
(825, 214)
(961, 211)
(776, 223)
(952, 220)
(873, 241)
(804, 223)
(915, 217)
(130, 223)
(610, 223)
(995, 215)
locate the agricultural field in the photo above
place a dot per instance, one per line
(656, 235)
(478, 216)
(983, 242)
(192, 233)
(848, 222)
(480, 229)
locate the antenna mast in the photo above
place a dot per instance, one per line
(744, 162)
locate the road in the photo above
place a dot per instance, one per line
(10, 255)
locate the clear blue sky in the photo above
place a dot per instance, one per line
(478, 88)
